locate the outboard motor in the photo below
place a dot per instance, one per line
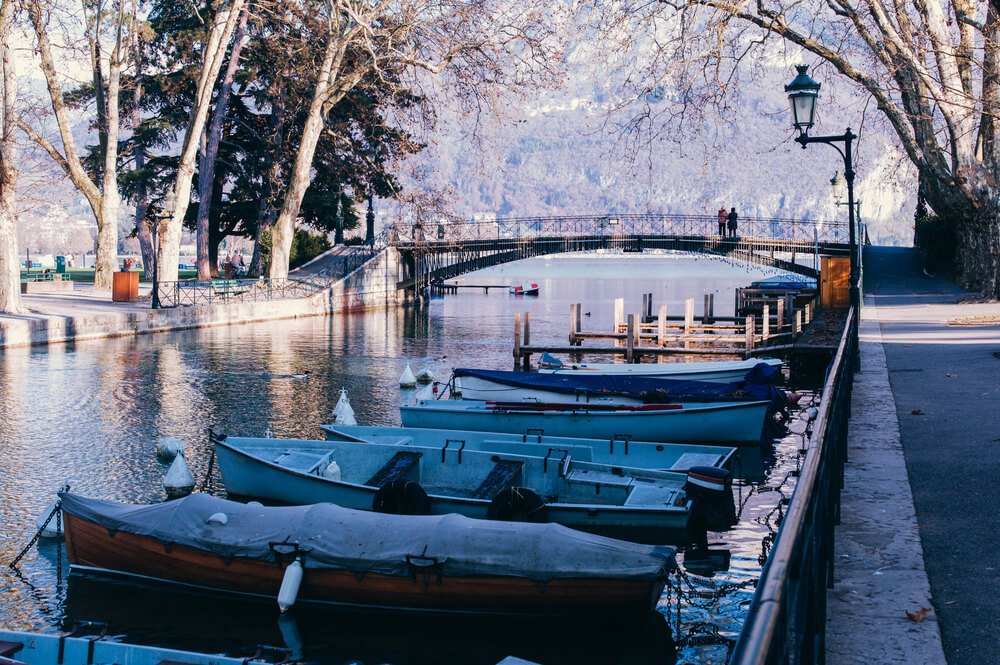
(713, 509)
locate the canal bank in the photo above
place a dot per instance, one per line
(84, 313)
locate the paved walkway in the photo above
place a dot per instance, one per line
(934, 393)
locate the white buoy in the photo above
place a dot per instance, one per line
(342, 403)
(168, 448)
(407, 379)
(54, 528)
(290, 583)
(332, 471)
(178, 481)
(346, 418)
(425, 376)
(255, 504)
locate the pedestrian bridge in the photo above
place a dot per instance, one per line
(433, 252)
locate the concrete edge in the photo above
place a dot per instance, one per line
(879, 561)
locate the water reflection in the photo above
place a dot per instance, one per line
(183, 619)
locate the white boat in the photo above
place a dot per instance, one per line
(732, 422)
(621, 451)
(95, 648)
(718, 371)
(525, 290)
(643, 505)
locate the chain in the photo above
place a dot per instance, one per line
(38, 534)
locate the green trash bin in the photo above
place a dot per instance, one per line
(61, 265)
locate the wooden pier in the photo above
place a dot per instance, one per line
(451, 287)
(642, 334)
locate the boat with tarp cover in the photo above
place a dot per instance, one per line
(579, 388)
(637, 504)
(446, 563)
(725, 371)
(731, 422)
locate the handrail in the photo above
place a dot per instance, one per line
(609, 226)
(787, 616)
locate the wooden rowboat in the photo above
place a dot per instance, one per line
(446, 563)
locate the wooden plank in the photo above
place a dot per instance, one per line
(748, 345)
(661, 324)
(765, 322)
(630, 339)
(572, 323)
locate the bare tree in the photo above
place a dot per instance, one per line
(10, 288)
(100, 188)
(480, 43)
(932, 68)
(220, 32)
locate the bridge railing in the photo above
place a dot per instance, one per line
(773, 228)
(786, 622)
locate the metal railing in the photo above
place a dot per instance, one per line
(786, 229)
(225, 291)
(786, 622)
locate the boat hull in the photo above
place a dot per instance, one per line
(91, 547)
(741, 422)
(247, 475)
(39, 649)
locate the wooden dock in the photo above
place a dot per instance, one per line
(637, 335)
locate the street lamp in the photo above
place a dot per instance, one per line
(166, 212)
(802, 94)
(839, 192)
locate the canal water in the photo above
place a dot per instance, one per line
(89, 415)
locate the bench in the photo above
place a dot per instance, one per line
(503, 476)
(228, 287)
(398, 466)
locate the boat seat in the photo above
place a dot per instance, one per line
(299, 461)
(397, 467)
(502, 476)
(653, 494)
(689, 460)
(8, 649)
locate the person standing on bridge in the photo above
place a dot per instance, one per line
(732, 218)
(722, 221)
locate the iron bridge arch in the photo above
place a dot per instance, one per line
(440, 251)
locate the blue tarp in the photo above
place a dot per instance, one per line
(649, 389)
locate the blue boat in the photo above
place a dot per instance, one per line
(725, 371)
(734, 422)
(621, 451)
(23, 648)
(633, 504)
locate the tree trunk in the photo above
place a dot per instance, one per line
(107, 221)
(977, 254)
(168, 250)
(10, 274)
(266, 212)
(206, 175)
(284, 227)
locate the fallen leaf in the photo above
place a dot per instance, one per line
(950, 375)
(917, 616)
(917, 412)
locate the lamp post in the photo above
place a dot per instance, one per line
(166, 212)
(802, 94)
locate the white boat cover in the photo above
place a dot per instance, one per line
(362, 542)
